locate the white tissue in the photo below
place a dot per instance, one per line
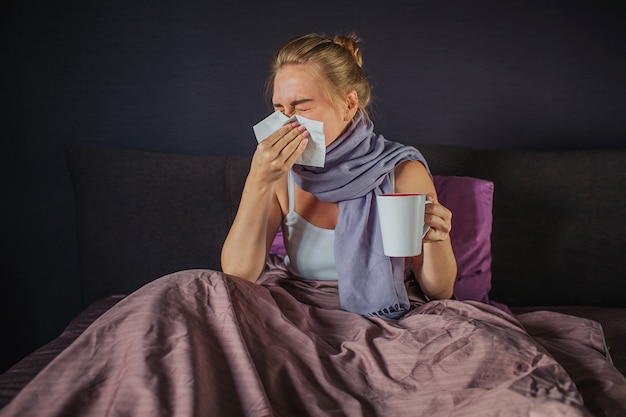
(315, 152)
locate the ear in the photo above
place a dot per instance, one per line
(352, 105)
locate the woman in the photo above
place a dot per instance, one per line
(201, 342)
(322, 79)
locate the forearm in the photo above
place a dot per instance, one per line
(435, 270)
(245, 249)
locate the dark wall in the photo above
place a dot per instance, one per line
(189, 77)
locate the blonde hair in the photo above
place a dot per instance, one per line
(337, 60)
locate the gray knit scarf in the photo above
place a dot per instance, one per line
(356, 170)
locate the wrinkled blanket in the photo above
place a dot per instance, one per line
(200, 343)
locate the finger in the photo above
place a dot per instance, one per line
(437, 209)
(281, 133)
(432, 197)
(291, 135)
(295, 148)
(440, 223)
(274, 146)
(297, 152)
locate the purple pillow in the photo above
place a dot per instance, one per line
(278, 245)
(471, 201)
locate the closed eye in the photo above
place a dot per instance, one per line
(294, 104)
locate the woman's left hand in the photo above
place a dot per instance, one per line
(439, 218)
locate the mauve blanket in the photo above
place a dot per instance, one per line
(200, 343)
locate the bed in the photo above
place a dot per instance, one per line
(537, 326)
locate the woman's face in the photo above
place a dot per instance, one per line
(298, 91)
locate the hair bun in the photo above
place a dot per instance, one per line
(353, 44)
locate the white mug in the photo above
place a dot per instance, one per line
(401, 219)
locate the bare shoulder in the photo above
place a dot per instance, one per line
(412, 177)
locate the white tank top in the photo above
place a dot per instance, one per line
(310, 249)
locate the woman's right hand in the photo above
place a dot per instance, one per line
(245, 249)
(275, 155)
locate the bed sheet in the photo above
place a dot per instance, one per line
(201, 342)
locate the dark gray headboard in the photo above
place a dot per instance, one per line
(141, 215)
(559, 230)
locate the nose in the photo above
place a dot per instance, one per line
(289, 111)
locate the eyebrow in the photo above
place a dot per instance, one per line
(295, 102)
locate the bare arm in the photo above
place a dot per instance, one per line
(259, 214)
(435, 269)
